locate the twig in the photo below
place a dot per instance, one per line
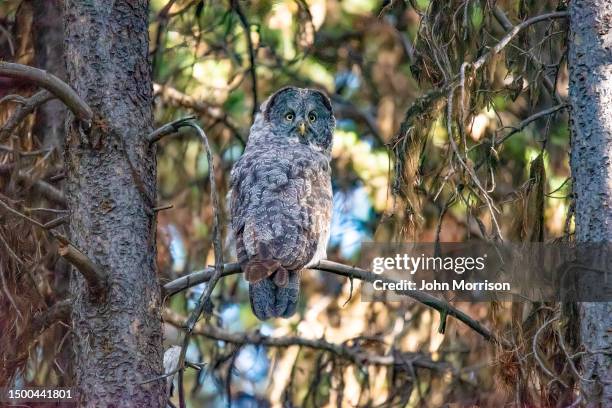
(163, 207)
(56, 222)
(168, 129)
(527, 121)
(505, 22)
(352, 354)
(203, 302)
(440, 305)
(51, 83)
(252, 68)
(534, 345)
(469, 170)
(426, 101)
(28, 106)
(94, 275)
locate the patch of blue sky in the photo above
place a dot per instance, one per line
(352, 211)
(177, 249)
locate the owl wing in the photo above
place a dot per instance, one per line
(281, 206)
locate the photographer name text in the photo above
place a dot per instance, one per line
(409, 264)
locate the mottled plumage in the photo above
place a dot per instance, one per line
(281, 199)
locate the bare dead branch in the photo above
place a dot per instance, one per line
(168, 129)
(514, 32)
(51, 83)
(93, 274)
(203, 302)
(30, 104)
(426, 101)
(252, 69)
(352, 354)
(505, 22)
(47, 190)
(527, 121)
(352, 272)
(174, 97)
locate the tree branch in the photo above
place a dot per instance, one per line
(47, 190)
(252, 68)
(352, 272)
(168, 129)
(352, 354)
(426, 101)
(527, 121)
(203, 303)
(513, 33)
(94, 275)
(27, 107)
(177, 98)
(51, 83)
(505, 22)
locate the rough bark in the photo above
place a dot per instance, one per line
(590, 91)
(111, 189)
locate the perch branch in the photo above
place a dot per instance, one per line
(51, 83)
(352, 272)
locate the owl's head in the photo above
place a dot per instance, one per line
(301, 115)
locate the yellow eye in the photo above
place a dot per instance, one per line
(312, 117)
(289, 117)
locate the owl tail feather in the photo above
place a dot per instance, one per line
(256, 270)
(273, 290)
(269, 300)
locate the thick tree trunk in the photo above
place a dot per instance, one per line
(590, 90)
(111, 190)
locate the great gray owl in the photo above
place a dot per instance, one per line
(281, 197)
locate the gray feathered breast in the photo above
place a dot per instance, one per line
(281, 196)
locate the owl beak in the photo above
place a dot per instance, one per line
(302, 128)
